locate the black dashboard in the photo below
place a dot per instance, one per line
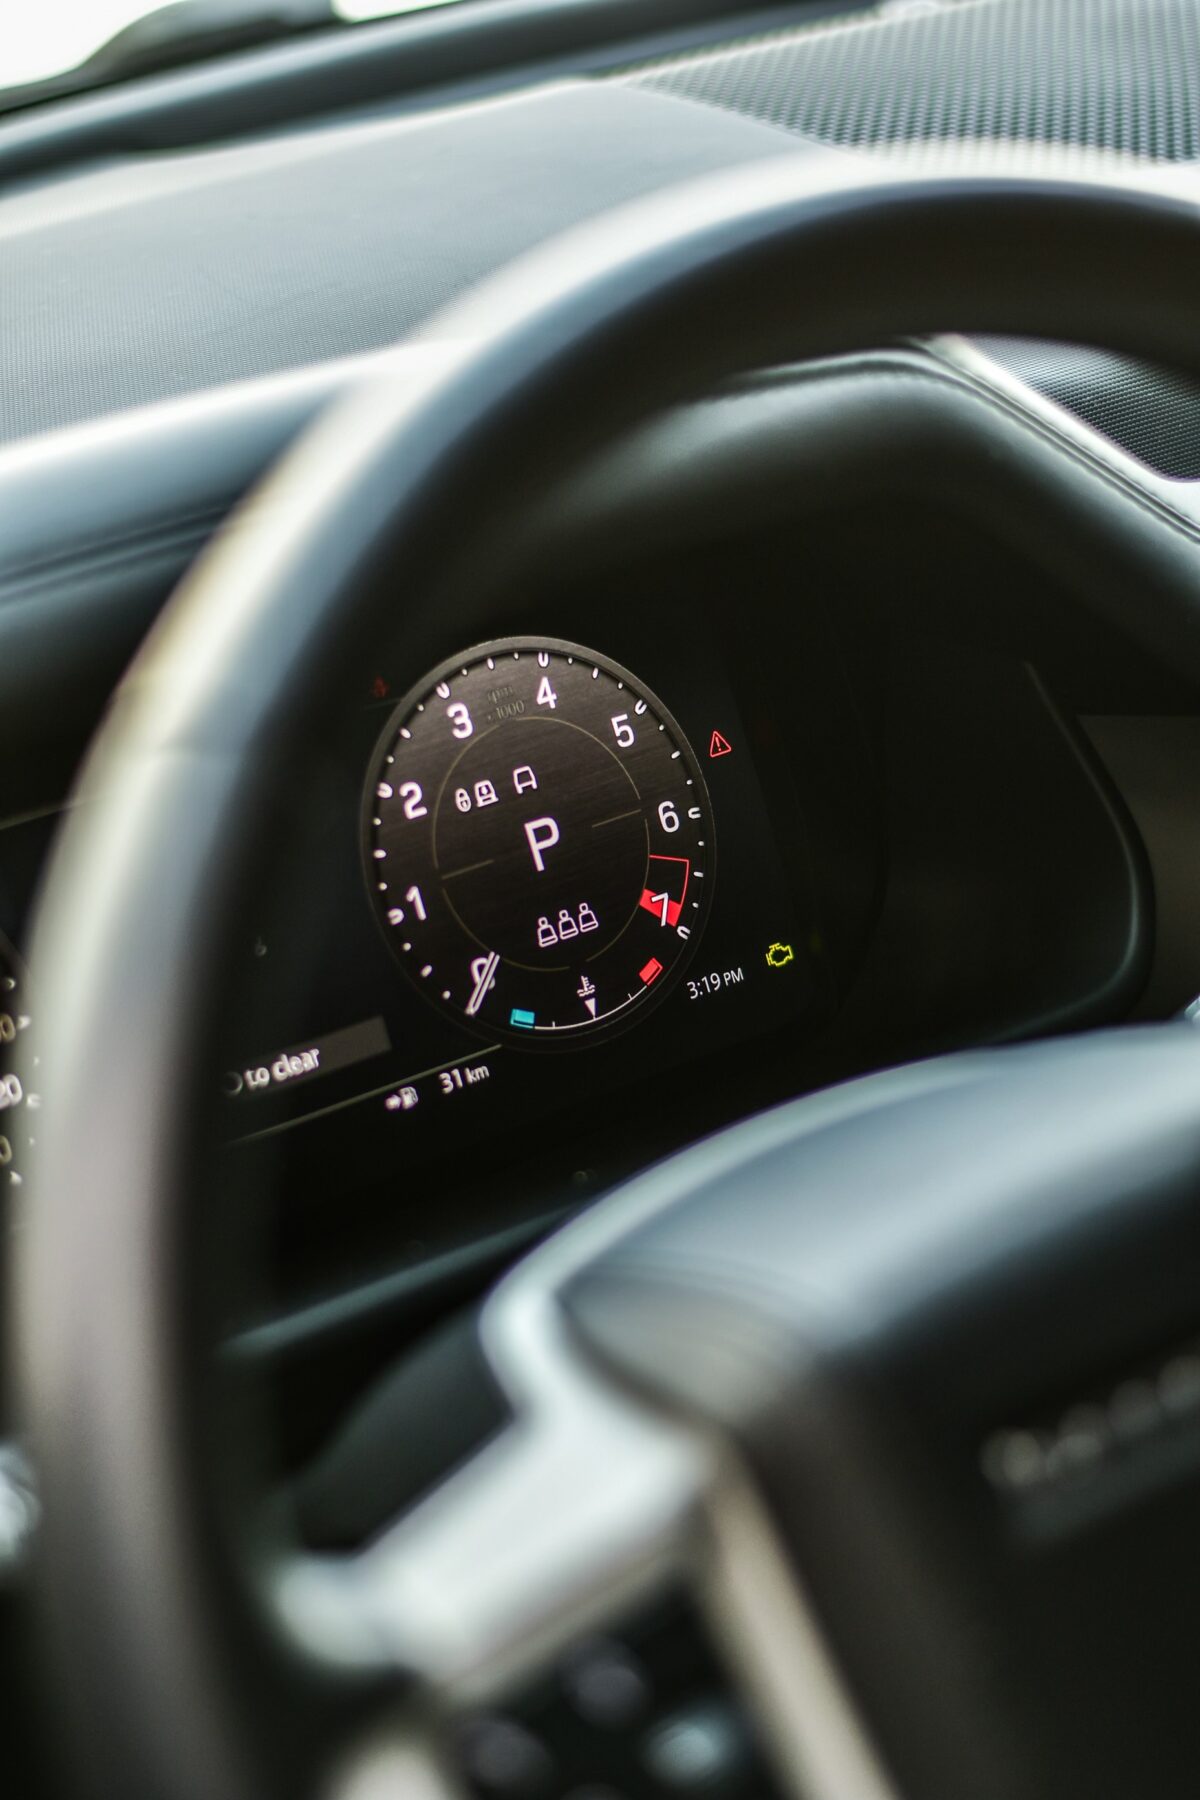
(904, 645)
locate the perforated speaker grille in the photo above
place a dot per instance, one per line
(1116, 75)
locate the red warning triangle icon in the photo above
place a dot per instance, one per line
(719, 746)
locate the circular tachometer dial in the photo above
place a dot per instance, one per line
(539, 842)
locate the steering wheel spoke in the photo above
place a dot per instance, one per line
(600, 1583)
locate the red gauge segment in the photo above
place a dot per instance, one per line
(539, 841)
(666, 889)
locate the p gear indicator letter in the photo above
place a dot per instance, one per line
(553, 822)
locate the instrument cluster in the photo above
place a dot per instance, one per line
(550, 884)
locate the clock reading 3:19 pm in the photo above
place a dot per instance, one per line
(539, 842)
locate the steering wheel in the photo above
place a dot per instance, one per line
(880, 1408)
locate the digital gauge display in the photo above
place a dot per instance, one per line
(539, 843)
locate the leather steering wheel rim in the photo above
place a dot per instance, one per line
(558, 356)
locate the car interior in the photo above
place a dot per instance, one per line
(599, 895)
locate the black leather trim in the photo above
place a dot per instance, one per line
(165, 477)
(128, 509)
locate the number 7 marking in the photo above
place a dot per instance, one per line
(663, 901)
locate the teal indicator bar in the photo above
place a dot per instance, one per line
(517, 1017)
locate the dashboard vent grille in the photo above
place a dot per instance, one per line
(1115, 75)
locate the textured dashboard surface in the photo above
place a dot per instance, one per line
(1115, 75)
(155, 276)
(162, 275)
